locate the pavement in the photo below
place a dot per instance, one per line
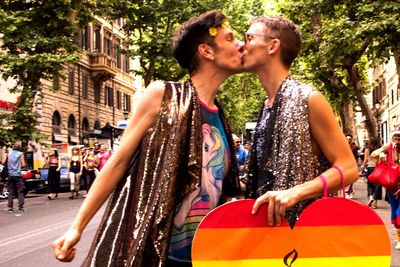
(383, 210)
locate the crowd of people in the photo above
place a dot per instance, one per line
(83, 167)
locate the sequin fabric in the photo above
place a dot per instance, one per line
(136, 226)
(290, 160)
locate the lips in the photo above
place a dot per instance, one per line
(330, 232)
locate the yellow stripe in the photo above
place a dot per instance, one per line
(376, 261)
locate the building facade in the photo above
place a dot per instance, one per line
(384, 101)
(97, 91)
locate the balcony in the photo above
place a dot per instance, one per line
(103, 66)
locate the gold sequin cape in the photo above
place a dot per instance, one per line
(291, 159)
(137, 223)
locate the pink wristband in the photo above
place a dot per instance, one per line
(341, 178)
(324, 184)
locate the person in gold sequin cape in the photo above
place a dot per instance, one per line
(159, 161)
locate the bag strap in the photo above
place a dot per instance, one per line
(325, 183)
(390, 155)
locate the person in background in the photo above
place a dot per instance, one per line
(103, 156)
(15, 163)
(53, 161)
(354, 149)
(298, 144)
(90, 163)
(97, 148)
(75, 172)
(240, 154)
(175, 162)
(374, 190)
(394, 198)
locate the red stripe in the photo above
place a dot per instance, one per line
(323, 212)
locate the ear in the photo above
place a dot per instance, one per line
(206, 51)
(274, 47)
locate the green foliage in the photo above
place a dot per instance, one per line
(151, 25)
(241, 97)
(38, 39)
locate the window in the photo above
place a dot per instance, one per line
(97, 39)
(56, 123)
(118, 55)
(108, 96)
(71, 79)
(119, 106)
(108, 44)
(97, 90)
(84, 38)
(127, 102)
(85, 82)
(126, 65)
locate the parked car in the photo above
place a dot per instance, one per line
(31, 180)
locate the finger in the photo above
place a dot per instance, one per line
(277, 214)
(271, 210)
(70, 255)
(259, 201)
(282, 212)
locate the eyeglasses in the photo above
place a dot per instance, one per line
(250, 36)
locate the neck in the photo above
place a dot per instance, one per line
(207, 84)
(271, 79)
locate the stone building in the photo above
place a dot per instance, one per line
(384, 100)
(97, 91)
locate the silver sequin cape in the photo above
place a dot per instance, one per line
(291, 160)
(137, 224)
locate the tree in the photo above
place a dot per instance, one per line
(38, 40)
(338, 37)
(151, 25)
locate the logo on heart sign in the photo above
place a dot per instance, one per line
(331, 232)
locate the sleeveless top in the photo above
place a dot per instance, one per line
(215, 167)
(74, 164)
(14, 163)
(291, 160)
(53, 161)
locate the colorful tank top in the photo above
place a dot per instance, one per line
(215, 166)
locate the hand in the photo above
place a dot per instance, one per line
(63, 247)
(278, 202)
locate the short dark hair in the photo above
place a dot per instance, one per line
(287, 32)
(191, 34)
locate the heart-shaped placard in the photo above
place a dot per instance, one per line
(331, 232)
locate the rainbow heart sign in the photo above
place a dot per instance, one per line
(331, 232)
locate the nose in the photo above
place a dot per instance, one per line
(240, 44)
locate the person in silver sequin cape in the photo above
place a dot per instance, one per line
(297, 136)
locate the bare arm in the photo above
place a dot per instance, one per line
(366, 156)
(333, 144)
(113, 170)
(383, 149)
(23, 164)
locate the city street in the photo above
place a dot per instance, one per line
(25, 239)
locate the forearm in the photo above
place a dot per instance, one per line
(314, 188)
(100, 190)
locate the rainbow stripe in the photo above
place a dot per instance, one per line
(331, 232)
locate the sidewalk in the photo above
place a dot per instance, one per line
(383, 210)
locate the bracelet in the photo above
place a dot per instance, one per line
(324, 184)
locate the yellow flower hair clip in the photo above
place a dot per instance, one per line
(213, 31)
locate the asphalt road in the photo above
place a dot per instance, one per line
(25, 239)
